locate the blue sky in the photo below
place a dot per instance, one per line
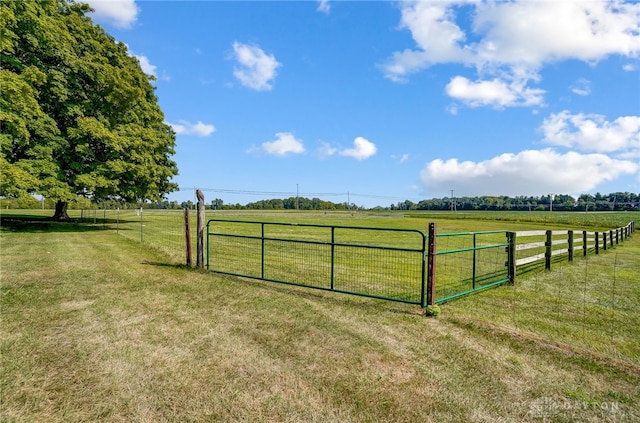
(378, 102)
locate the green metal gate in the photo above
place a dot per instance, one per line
(468, 262)
(386, 263)
(372, 262)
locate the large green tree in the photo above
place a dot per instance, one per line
(78, 116)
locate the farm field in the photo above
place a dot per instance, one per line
(97, 327)
(164, 229)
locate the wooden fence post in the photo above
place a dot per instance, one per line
(201, 224)
(187, 235)
(597, 243)
(547, 251)
(584, 243)
(570, 241)
(431, 265)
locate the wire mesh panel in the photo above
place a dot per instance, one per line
(304, 263)
(375, 262)
(591, 305)
(238, 255)
(379, 272)
(163, 230)
(469, 262)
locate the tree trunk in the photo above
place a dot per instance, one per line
(61, 211)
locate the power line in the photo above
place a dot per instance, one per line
(347, 194)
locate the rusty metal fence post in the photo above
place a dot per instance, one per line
(431, 265)
(201, 225)
(511, 257)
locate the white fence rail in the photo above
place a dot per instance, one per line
(537, 246)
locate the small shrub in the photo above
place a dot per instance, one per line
(432, 310)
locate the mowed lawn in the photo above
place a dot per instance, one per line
(96, 327)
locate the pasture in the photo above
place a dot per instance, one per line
(97, 326)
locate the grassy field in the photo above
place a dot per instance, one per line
(96, 327)
(376, 272)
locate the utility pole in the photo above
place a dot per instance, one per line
(297, 201)
(550, 202)
(453, 202)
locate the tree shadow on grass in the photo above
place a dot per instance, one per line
(44, 224)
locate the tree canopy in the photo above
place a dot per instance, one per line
(78, 115)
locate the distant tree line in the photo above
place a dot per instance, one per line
(559, 202)
(618, 201)
(299, 203)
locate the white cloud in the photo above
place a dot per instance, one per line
(285, 144)
(513, 39)
(362, 149)
(535, 32)
(326, 150)
(496, 93)
(146, 65)
(591, 132)
(197, 129)
(611, 149)
(255, 69)
(530, 172)
(400, 159)
(629, 67)
(438, 38)
(324, 6)
(120, 13)
(528, 33)
(581, 87)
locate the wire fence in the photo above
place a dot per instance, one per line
(592, 305)
(162, 230)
